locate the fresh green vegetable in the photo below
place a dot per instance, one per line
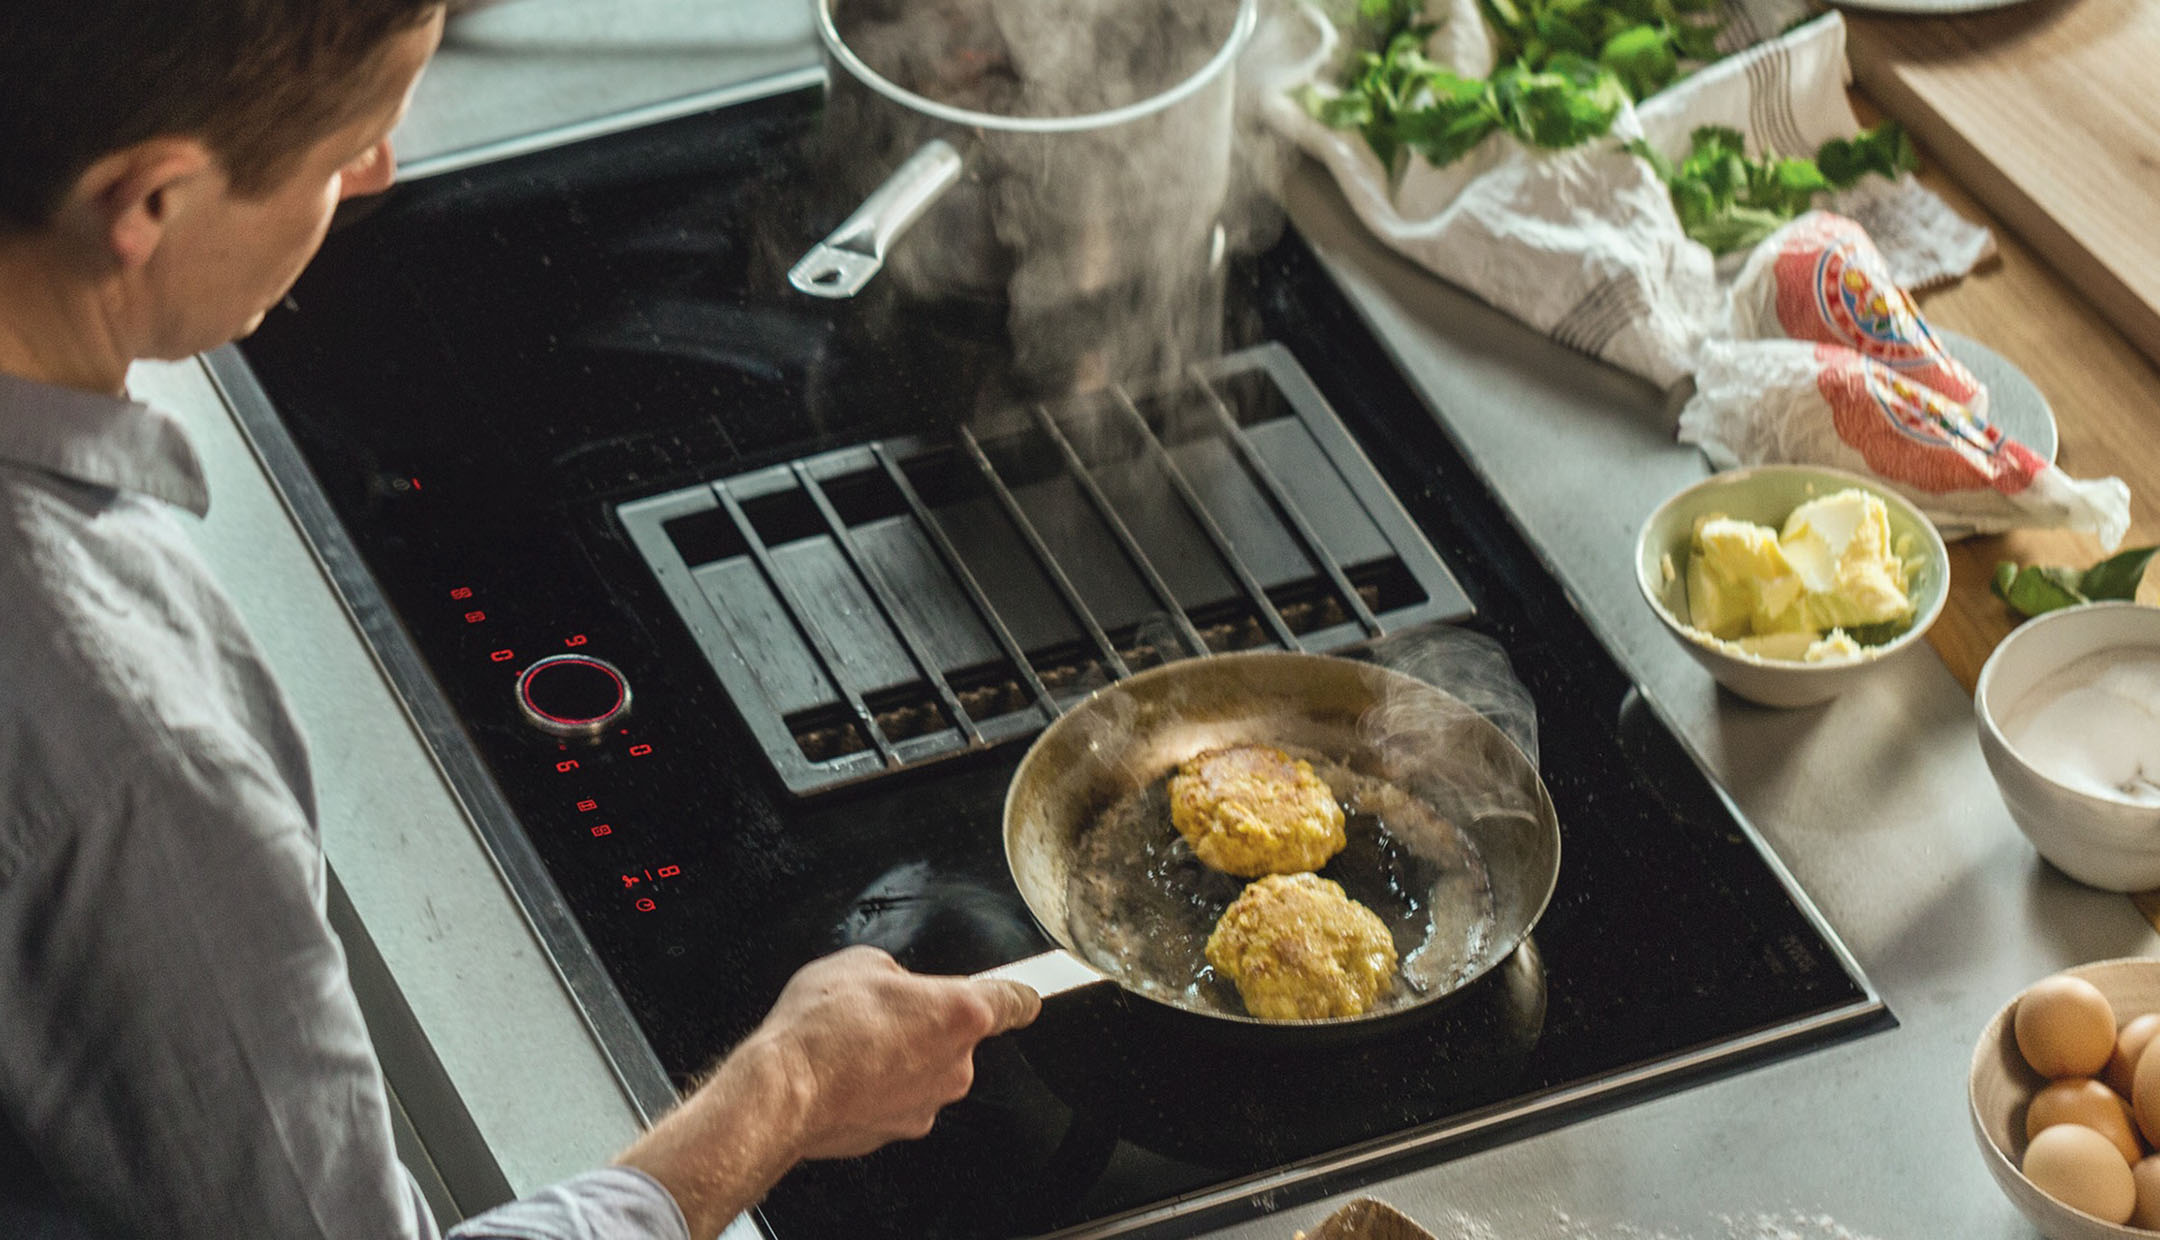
(1565, 67)
(1885, 149)
(1641, 41)
(1729, 202)
(2032, 589)
(1403, 101)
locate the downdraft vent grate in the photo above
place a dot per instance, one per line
(887, 605)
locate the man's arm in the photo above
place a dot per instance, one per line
(858, 1052)
(182, 1048)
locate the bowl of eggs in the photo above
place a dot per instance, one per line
(1789, 582)
(2066, 1103)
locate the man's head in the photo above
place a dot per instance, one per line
(185, 155)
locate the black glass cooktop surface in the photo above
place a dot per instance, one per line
(477, 394)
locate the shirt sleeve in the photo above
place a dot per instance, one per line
(181, 1044)
(608, 1204)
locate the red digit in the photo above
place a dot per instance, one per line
(587, 806)
(603, 829)
(567, 765)
(645, 905)
(669, 871)
(575, 639)
(461, 593)
(475, 617)
(502, 656)
(639, 751)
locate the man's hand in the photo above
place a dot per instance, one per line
(883, 1049)
(857, 1052)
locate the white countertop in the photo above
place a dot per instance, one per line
(1879, 803)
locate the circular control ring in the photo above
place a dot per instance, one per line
(572, 695)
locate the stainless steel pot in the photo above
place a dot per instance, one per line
(1379, 723)
(1033, 208)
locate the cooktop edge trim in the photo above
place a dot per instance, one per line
(457, 158)
(637, 1068)
(1571, 1104)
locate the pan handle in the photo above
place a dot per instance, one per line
(841, 264)
(1051, 973)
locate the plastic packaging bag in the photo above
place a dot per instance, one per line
(1821, 279)
(1795, 402)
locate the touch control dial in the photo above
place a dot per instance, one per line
(572, 695)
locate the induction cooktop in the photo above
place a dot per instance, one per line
(729, 611)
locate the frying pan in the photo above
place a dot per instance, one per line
(1389, 731)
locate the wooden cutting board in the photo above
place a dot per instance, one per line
(2048, 112)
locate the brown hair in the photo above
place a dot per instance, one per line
(259, 81)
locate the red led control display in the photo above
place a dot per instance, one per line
(572, 695)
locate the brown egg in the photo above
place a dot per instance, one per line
(2145, 1092)
(2064, 1027)
(2083, 1100)
(2083, 1170)
(2146, 1175)
(2121, 1068)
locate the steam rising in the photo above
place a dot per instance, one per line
(1105, 244)
(1471, 667)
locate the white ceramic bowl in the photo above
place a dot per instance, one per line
(2094, 839)
(2002, 1084)
(1766, 495)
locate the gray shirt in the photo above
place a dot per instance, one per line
(181, 1053)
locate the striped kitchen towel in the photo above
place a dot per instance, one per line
(1583, 244)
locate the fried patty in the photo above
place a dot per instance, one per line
(1300, 949)
(1251, 810)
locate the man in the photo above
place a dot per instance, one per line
(180, 1050)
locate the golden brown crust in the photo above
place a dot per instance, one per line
(1251, 810)
(1298, 948)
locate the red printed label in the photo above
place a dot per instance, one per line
(1913, 434)
(1833, 287)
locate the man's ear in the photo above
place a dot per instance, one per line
(123, 203)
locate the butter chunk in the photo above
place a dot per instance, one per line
(1791, 593)
(1734, 566)
(1839, 546)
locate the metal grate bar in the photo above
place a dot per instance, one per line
(1277, 495)
(820, 645)
(966, 577)
(881, 591)
(1074, 466)
(1263, 606)
(1046, 561)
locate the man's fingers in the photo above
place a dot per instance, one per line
(1012, 1004)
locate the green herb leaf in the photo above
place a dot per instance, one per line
(1565, 69)
(1642, 57)
(1730, 202)
(1878, 634)
(2118, 576)
(2033, 590)
(1570, 102)
(1885, 149)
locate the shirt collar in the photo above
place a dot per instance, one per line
(107, 441)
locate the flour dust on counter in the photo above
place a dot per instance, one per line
(1791, 1225)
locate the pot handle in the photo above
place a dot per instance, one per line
(841, 264)
(1051, 973)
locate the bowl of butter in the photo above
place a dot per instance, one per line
(1787, 582)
